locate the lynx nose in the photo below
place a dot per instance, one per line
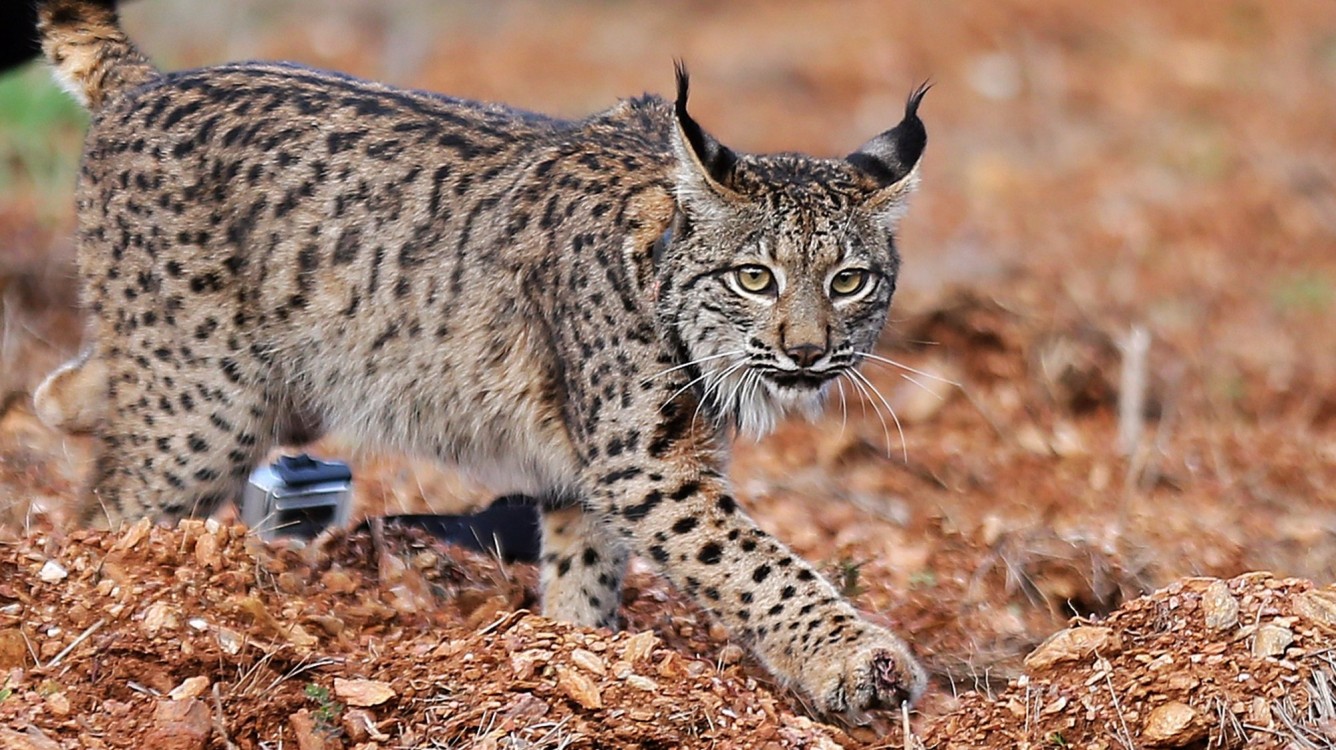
(805, 355)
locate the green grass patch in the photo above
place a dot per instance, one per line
(41, 135)
(1303, 292)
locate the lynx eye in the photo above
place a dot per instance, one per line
(755, 279)
(848, 282)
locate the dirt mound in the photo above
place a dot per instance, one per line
(372, 640)
(1247, 662)
(204, 637)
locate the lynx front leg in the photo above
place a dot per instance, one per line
(675, 508)
(582, 568)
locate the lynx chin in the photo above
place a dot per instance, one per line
(585, 308)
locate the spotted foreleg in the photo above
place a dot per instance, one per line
(582, 568)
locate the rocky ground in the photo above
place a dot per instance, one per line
(1116, 395)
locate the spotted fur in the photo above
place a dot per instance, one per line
(572, 307)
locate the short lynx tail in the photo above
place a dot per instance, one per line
(94, 60)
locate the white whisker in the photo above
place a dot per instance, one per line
(730, 403)
(711, 389)
(904, 447)
(683, 389)
(907, 368)
(692, 362)
(930, 391)
(844, 405)
(867, 397)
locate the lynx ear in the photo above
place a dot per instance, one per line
(892, 158)
(704, 165)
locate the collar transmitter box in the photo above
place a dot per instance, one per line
(297, 496)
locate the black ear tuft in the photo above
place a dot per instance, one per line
(891, 156)
(715, 158)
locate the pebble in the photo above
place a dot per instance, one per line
(640, 645)
(589, 661)
(310, 736)
(362, 693)
(58, 704)
(1072, 644)
(640, 682)
(179, 725)
(1271, 640)
(1219, 606)
(360, 726)
(52, 572)
(157, 617)
(191, 687)
(1318, 606)
(13, 649)
(1172, 724)
(579, 688)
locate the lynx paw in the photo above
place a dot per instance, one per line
(875, 671)
(71, 399)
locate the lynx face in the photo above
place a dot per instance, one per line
(778, 273)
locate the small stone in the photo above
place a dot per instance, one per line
(299, 637)
(135, 534)
(1318, 606)
(589, 661)
(1219, 607)
(730, 654)
(289, 582)
(579, 688)
(1030, 439)
(640, 682)
(363, 693)
(1072, 644)
(191, 687)
(206, 551)
(1173, 724)
(57, 704)
(179, 725)
(13, 649)
(338, 582)
(360, 726)
(1259, 713)
(354, 722)
(157, 617)
(525, 664)
(1066, 441)
(309, 733)
(640, 646)
(230, 641)
(52, 572)
(1271, 640)
(526, 707)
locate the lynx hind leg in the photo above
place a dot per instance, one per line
(73, 399)
(582, 568)
(170, 453)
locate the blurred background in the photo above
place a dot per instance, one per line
(1095, 173)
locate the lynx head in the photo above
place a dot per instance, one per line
(777, 273)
